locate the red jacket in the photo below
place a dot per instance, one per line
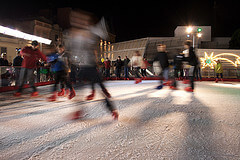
(107, 64)
(31, 57)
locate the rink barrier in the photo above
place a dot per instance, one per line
(12, 88)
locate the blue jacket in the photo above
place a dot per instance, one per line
(56, 62)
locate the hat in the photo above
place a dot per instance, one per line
(34, 43)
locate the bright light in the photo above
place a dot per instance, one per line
(19, 34)
(189, 29)
(199, 35)
(209, 61)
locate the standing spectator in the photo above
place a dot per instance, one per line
(17, 63)
(144, 66)
(4, 70)
(118, 65)
(137, 63)
(107, 64)
(219, 71)
(4, 61)
(31, 56)
(126, 67)
(162, 58)
(193, 62)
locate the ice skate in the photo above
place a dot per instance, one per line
(34, 94)
(77, 115)
(173, 88)
(138, 80)
(159, 87)
(186, 81)
(61, 93)
(52, 97)
(72, 94)
(17, 94)
(91, 96)
(189, 89)
(105, 91)
(115, 114)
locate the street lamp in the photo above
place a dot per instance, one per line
(197, 33)
(189, 29)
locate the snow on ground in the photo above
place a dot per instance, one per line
(153, 124)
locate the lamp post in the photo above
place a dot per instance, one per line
(197, 33)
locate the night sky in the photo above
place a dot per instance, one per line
(139, 19)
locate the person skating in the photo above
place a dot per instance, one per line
(136, 63)
(162, 58)
(126, 67)
(218, 71)
(31, 56)
(178, 68)
(60, 66)
(144, 67)
(193, 62)
(83, 41)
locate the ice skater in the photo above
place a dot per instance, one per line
(60, 66)
(136, 64)
(193, 62)
(84, 39)
(219, 71)
(162, 58)
(31, 55)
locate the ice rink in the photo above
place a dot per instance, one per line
(153, 124)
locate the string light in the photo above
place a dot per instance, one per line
(210, 61)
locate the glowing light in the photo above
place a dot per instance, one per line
(19, 34)
(199, 35)
(189, 29)
(210, 61)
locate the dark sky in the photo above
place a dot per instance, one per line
(138, 19)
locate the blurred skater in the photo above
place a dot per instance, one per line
(162, 58)
(193, 62)
(144, 67)
(31, 56)
(60, 66)
(84, 38)
(137, 63)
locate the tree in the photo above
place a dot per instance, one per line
(234, 43)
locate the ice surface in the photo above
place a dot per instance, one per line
(153, 124)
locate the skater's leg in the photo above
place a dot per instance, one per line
(31, 79)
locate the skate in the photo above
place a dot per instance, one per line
(186, 81)
(105, 91)
(159, 87)
(91, 96)
(52, 98)
(115, 114)
(138, 80)
(216, 81)
(72, 94)
(34, 94)
(17, 94)
(67, 93)
(189, 89)
(61, 93)
(173, 88)
(77, 115)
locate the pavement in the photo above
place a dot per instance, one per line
(153, 124)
